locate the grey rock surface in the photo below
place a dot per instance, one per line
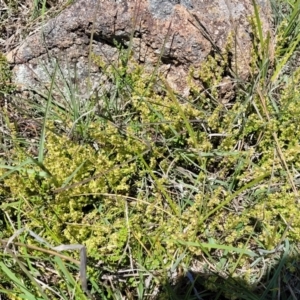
(62, 46)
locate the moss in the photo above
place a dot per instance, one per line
(153, 161)
(5, 76)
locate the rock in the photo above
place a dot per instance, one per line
(176, 34)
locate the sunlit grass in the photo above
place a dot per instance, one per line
(174, 198)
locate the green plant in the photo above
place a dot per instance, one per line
(153, 184)
(6, 86)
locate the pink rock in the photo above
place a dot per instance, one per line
(176, 34)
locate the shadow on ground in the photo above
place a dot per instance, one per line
(279, 279)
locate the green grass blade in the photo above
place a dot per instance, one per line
(259, 24)
(19, 284)
(160, 187)
(73, 286)
(48, 105)
(273, 284)
(285, 58)
(231, 197)
(69, 179)
(14, 169)
(293, 20)
(220, 247)
(182, 114)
